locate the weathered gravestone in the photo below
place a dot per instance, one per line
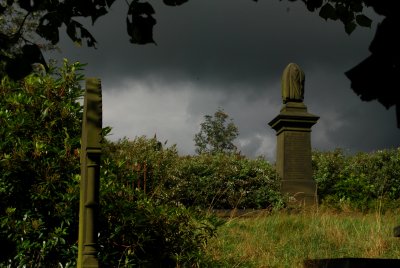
(293, 130)
(90, 174)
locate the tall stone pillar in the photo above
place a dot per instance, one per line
(90, 175)
(293, 129)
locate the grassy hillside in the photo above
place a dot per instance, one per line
(283, 239)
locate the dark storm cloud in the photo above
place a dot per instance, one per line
(231, 54)
(220, 41)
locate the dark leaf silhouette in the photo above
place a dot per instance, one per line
(376, 78)
(2, 8)
(140, 9)
(174, 2)
(371, 74)
(350, 27)
(72, 28)
(110, 2)
(356, 6)
(28, 5)
(48, 27)
(363, 20)
(97, 13)
(328, 12)
(140, 25)
(312, 5)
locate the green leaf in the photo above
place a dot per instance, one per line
(363, 21)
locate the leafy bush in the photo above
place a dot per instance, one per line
(39, 162)
(327, 167)
(146, 232)
(205, 181)
(358, 181)
(141, 163)
(39, 185)
(147, 229)
(225, 181)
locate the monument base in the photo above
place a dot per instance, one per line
(301, 192)
(293, 161)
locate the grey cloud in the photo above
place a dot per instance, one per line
(221, 41)
(231, 54)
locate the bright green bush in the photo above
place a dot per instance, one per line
(39, 162)
(358, 181)
(226, 181)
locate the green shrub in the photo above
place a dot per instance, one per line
(147, 229)
(141, 163)
(40, 134)
(141, 231)
(358, 181)
(206, 181)
(327, 167)
(39, 162)
(226, 181)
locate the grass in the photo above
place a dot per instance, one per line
(283, 239)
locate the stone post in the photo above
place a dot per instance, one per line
(90, 174)
(293, 129)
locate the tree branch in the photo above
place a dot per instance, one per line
(17, 35)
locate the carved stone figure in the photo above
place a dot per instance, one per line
(293, 83)
(293, 149)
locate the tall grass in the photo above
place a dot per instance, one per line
(284, 239)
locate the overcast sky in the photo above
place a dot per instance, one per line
(231, 55)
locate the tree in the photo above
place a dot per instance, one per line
(216, 134)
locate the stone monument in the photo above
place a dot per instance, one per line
(90, 174)
(293, 129)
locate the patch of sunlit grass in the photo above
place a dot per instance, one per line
(284, 239)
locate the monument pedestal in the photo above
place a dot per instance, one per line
(293, 160)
